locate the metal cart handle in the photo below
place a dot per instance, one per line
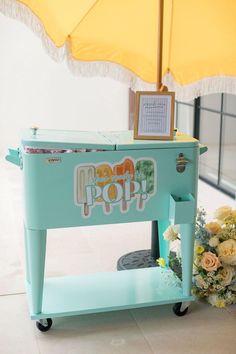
(203, 149)
(13, 156)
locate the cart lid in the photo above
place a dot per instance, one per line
(66, 139)
(125, 141)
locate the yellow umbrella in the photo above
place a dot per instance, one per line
(119, 38)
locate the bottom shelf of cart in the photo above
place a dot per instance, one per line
(101, 292)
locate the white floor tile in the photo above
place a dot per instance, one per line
(112, 332)
(203, 330)
(232, 310)
(17, 335)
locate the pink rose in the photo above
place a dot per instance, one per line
(210, 262)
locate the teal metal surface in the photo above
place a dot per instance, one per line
(36, 250)
(121, 180)
(203, 149)
(187, 232)
(125, 141)
(50, 187)
(13, 157)
(60, 139)
(182, 209)
(101, 292)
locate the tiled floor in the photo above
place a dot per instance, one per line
(204, 330)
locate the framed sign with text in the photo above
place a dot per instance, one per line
(154, 115)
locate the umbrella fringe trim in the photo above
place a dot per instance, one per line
(184, 93)
(205, 86)
(108, 69)
(19, 11)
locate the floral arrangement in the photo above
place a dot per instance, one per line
(214, 268)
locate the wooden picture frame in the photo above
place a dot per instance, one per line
(154, 115)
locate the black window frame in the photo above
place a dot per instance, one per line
(198, 108)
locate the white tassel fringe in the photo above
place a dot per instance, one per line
(206, 86)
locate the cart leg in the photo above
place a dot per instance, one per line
(36, 258)
(155, 251)
(27, 255)
(187, 244)
(163, 244)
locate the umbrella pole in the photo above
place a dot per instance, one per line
(159, 85)
(155, 251)
(126, 261)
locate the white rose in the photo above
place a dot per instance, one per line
(214, 241)
(171, 233)
(223, 212)
(227, 252)
(226, 275)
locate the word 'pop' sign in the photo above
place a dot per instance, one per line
(109, 184)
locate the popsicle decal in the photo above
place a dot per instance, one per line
(105, 184)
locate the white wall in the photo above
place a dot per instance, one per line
(34, 90)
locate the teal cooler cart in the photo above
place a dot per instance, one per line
(91, 178)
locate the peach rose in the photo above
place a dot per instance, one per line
(227, 252)
(213, 227)
(210, 262)
(223, 212)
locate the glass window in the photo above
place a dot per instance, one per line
(185, 119)
(212, 101)
(209, 136)
(218, 165)
(229, 104)
(228, 157)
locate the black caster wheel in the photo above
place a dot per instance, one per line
(177, 309)
(44, 325)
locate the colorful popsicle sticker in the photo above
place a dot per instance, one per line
(104, 177)
(125, 169)
(120, 183)
(84, 177)
(144, 172)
